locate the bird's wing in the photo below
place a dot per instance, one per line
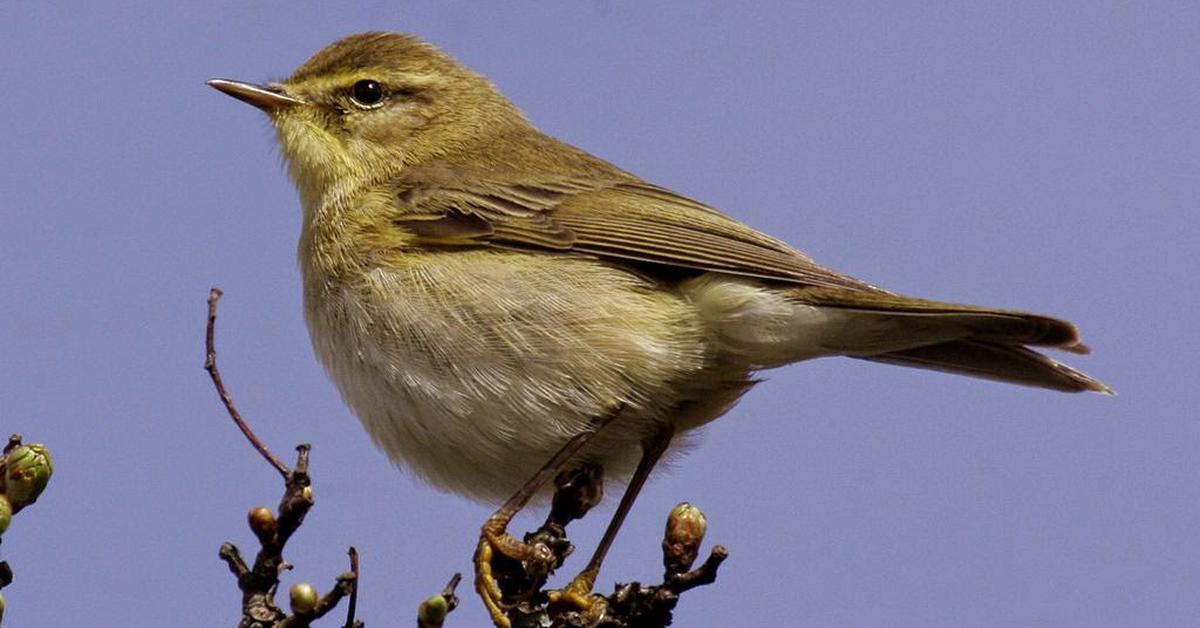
(617, 217)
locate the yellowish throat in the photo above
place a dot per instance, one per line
(481, 292)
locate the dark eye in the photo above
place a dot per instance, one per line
(367, 92)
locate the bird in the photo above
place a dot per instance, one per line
(496, 305)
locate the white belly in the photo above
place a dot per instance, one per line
(473, 372)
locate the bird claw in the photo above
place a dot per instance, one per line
(494, 539)
(577, 596)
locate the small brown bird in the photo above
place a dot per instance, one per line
(484, 294)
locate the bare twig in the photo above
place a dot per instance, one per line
(448, 591)
(210, 365)
(14, 441)
(706, 573)
(352, 604)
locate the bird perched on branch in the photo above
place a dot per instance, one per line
(485, 295)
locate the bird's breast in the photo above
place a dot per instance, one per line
(471, 367)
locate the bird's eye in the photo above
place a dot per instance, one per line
(367, 93)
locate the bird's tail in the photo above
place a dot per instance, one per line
(968, 340)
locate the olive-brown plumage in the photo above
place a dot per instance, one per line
(480, 292)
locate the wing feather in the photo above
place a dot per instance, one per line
(608, 216)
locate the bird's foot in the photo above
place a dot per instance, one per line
(577, 597)
(495, 542)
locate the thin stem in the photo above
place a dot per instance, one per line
(210, 365)
(352, 605)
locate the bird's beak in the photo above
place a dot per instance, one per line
(269, 98)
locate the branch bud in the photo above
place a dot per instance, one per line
(685, 531)
(262, 522)
(27, 469)
(303, 598)
(6, 513)
(432, 612)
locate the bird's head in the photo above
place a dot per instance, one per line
(370, 104)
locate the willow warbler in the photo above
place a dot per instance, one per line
(481, 292)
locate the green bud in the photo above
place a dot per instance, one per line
(303, 598)
(433, 611)
(27, 469)
(5, 513)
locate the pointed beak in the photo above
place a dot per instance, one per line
(269, 98)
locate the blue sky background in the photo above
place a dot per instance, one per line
(1010, 154)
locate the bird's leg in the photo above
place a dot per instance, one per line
(578, 592)
(495, 539)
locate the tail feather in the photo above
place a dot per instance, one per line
(968, 340)
(1013, 364)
